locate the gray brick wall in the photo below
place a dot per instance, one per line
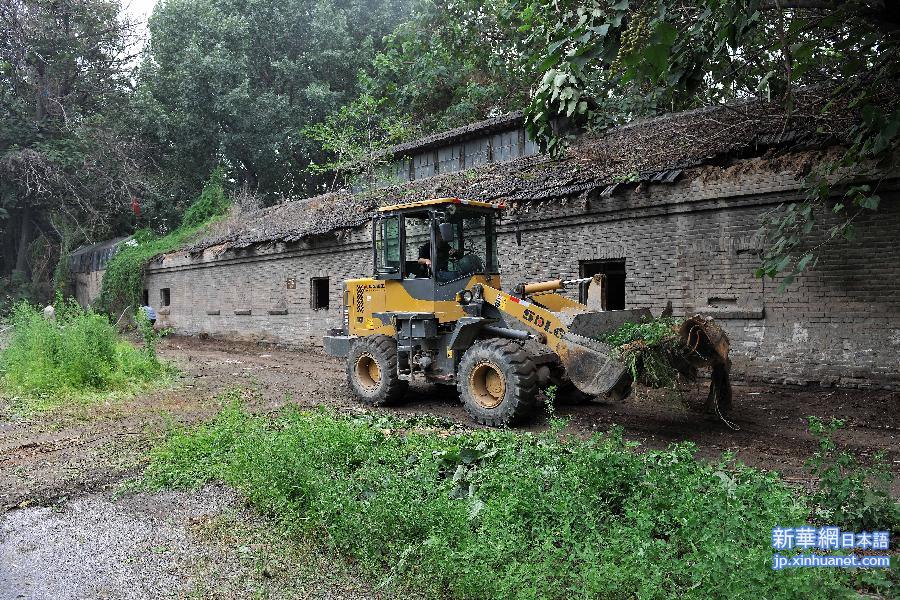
(693, 243)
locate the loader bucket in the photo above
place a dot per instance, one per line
(596, 324)
(590, 366)
(589, 362)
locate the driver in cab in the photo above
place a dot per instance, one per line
(441, 264)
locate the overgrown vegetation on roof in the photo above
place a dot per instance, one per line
(123, 281)
(674, 141)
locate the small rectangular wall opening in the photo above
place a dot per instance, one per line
(318, 293)
(165, 297)
(614, 269)
(146, 298)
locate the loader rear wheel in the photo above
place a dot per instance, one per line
(497, 382)
(372, 371)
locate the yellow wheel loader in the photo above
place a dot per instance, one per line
(435, 310)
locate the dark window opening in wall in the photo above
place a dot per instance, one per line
(165, 297)
(146, 298)
(319, 292)
(614, 269)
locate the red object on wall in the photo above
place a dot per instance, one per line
(135, 206)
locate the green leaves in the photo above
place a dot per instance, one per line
(850, 493)
(355, 138)
(212, 202)
(622, 61)
(235, 83)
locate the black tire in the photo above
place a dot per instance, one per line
(372, 371)
(497, 383)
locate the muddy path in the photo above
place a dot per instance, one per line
(76, 450)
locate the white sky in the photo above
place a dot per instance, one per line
(140, 11)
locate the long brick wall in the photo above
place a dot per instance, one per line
(693, 243)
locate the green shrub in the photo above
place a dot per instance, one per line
(499, 514)
(211, 203)
(77, 352)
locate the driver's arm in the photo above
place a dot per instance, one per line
(425, 254)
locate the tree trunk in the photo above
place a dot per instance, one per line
(24, 240)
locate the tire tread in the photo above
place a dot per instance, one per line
(384, 349)
(521, 405)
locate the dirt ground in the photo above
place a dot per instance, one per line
(69, 462)
(772, 419)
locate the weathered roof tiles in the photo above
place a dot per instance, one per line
(637, 151)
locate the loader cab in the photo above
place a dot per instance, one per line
(435, 244)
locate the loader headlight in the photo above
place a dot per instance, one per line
(465, 297)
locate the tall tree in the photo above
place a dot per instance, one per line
(66, 173)
(233, 82)
(607, 61)
(451, 63)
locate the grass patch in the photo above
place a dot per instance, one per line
(78, 357)
(499, 514)
(266, 562)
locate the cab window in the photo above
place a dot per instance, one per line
(418, 244)
(387, 245)
(466, 245)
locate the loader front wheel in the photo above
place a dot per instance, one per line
(372, 370)
(497, 382)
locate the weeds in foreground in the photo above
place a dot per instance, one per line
(499, 514)
(77, 356)
(849, 492)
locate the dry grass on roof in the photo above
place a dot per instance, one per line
(673, 141)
